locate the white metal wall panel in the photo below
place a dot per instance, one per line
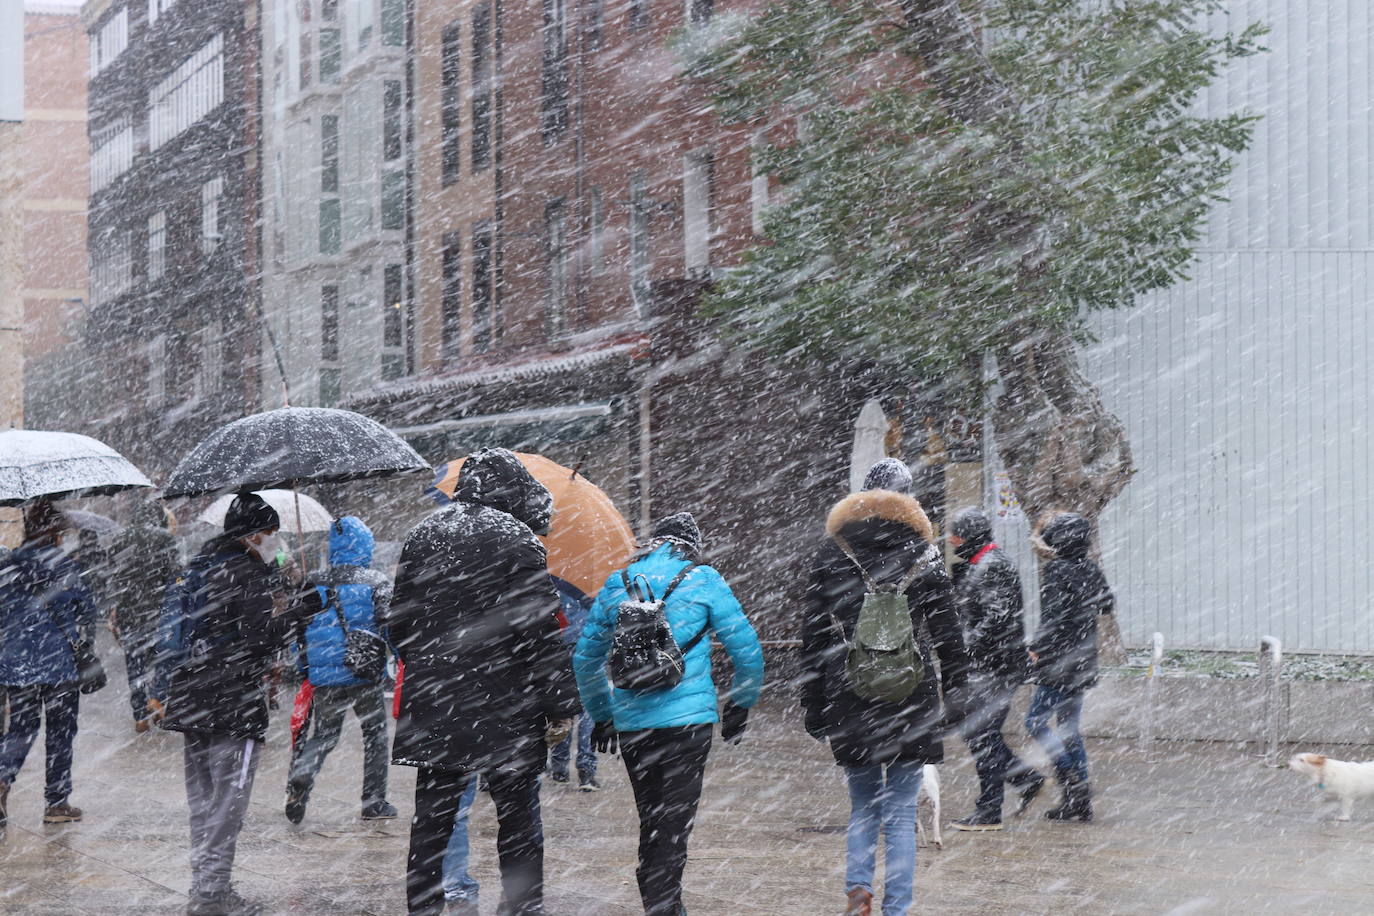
(1246, 390)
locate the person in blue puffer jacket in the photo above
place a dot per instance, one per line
(665, 735)
(349, 586)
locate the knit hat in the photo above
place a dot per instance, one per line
(681, 528)
(974, 528)
(889, 474)
(248, 514)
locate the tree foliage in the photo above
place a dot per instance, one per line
(955, 178)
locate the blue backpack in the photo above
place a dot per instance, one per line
(180, 644)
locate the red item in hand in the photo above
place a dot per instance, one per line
(300, 710)
(396, 699)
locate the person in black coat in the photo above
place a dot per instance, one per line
(488, 684)
(1063, 655)
(214, 655)
(987, 597)
(881, 746)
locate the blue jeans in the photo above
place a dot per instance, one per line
(586, 757)
(458, 884)
(1063, 743)
(883, 799)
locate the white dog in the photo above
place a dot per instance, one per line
(929, 796)
(1342, 779)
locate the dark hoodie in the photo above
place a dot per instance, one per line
(143, 558)
(474, 618)
(1073, 592)
(889, 533)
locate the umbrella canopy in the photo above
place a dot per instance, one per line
(82, 520)
(37, 463)
(291, 446)
(314, 517)
(589, 538)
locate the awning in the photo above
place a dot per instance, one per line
(532, 430)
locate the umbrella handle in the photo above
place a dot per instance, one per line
(300, 533)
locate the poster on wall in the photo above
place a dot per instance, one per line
(1008, 506)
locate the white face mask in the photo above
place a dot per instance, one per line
(264, 546)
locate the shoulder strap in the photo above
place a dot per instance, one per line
(334, 603)
(849, 552)
(677, 580)
(922, 563)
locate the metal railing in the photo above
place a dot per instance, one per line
(1270, 669)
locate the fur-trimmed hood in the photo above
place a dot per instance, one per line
(885, 505)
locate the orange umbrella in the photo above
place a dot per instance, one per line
(589, 538)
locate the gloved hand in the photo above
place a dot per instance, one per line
(958, 705)
(557, 731)
(733, 721)
(604, 738)
(815, 725)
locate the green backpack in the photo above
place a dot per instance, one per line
(883, 664)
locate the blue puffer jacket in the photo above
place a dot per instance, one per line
(43, 607)
(701, 600)
(364, 595)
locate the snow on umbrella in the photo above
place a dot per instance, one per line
(313, 516)
(289, 447)
(38, 463)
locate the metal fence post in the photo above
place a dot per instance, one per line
(1147, 725)
(1270, 668)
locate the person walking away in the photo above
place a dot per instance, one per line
(880, 543)
(219, 635)
(1063, 656)
(143, 559)
(987, 598)
(664, 733)
(461, 889)
(348, 596)
(574, 617)
(44, 610)
(487, 684)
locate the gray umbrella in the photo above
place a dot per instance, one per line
(290, 447)
(36, 463)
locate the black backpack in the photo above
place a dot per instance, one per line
(644, 655)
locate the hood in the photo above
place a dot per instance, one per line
(495, 477)
(148, 514)
(885, 505)
(350, 542)
(1069, 535)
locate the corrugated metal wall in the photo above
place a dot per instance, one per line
(1246, 391)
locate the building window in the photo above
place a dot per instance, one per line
(157, 373)
(329, 154)
(209, 365)
(393, 323)
(451, 297)
(596, 243)
(481, 87)
(393, 23)
(697, 179)
(110, 40)
(329, 10)
(331, 376)
(556, 267)
(112, 152)
(483, 289)
(331, 229)
(393, 174)
(593, 10)
(391, 120)
(362, 20)
(187, 94)
(158, 8)
(111, 268)
(331, 56)
(210, 195)
(451, 103)
(307, 55)
(157, 245)
(699, 11)
(640, 256)
(554, 118)
(393, 199)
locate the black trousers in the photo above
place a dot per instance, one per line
(666, 766)
(992, 758)
(327, 711)
(519, 839)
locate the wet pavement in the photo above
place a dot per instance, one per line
(1195, 828)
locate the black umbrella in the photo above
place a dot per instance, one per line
(290, 447)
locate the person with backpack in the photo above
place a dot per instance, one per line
(219, 636)
(987, 597)
(488, 688)
(341, 651)
(651, 627)
(1063, 656)
(867, 686)
(144, 558)
(45, 613)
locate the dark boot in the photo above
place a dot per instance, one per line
(982, 819)
(1077, 804)
(1027, 787)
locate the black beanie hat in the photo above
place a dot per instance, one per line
(680, 527)
(248, 514)
(971, 524)
(888, 474)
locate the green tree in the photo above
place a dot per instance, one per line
(961, 179)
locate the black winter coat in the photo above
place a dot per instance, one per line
(1073, 592)
(143, 559)
(225, 694)
(987, 596)
(474, 618)
(888, 532)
